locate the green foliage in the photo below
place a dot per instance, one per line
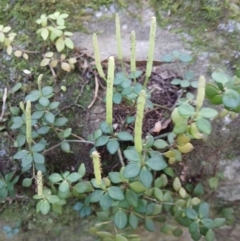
(145, 189)
(225, 90)
(11, 231)
(7, 183)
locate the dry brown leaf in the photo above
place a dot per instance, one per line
(166, 123)
(157, 127)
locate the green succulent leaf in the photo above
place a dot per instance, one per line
(49, 117)
(117, 98)
(37, 114)
(203, 210)
(60, 44)
(105, 128)
(193, 227)
(112, 146)
(33, 96)
(27, 160)
(120, 219)
(208, 223)
(43, 130)
(204, 126)
(146, 177)
(218, 222)
(132, 170)
(208, 112)
(69, 43)
(53, 199)
(27, 182)
(198, 190)
(44, 101)
(81, 187)
(60, 121)
(39, 146)
(177, 232)
(158, 194)
(53, 105)
(167, 58)
(20, 154)
(38, 158)
(64, 186)
(106, 202)
(210, 236)
(131, 197)
(47, 90)
(132, 155)
(180, 127)
(97, 133)
(156, 163)
(135, 74)
(65, 147)
(186, 58)
(220, 77)
(133, 220)
(149, 225)
(115, 193)
(137, 187)
(55, 177)
(185, 83)
(102, 140)
(115, 177)
(231, 99)
(191, 213)
(160, 144)
(186, 110)
(82, 170)
(44, 207)
(96, 196)
(175, 81)
(213, 182)
(73, 177)
(196, 236)
(125, 136)
(16, 87)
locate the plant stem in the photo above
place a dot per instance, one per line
(120, 157)
(4, 98)
(162, 135)
(78, 137)
(79, 141)
(26, 51)
(162, 107)
(177, 63)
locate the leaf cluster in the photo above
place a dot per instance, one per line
(225, 90)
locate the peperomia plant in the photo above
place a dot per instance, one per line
(145, 188)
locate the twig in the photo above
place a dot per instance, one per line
(180, 70)
(95, 93)
(176, 102)
(80, 141)
(53, 72)
(26, 51)
(162, 135)
(4, 98)
(78, 137)
(162, 107)
(120, 157)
